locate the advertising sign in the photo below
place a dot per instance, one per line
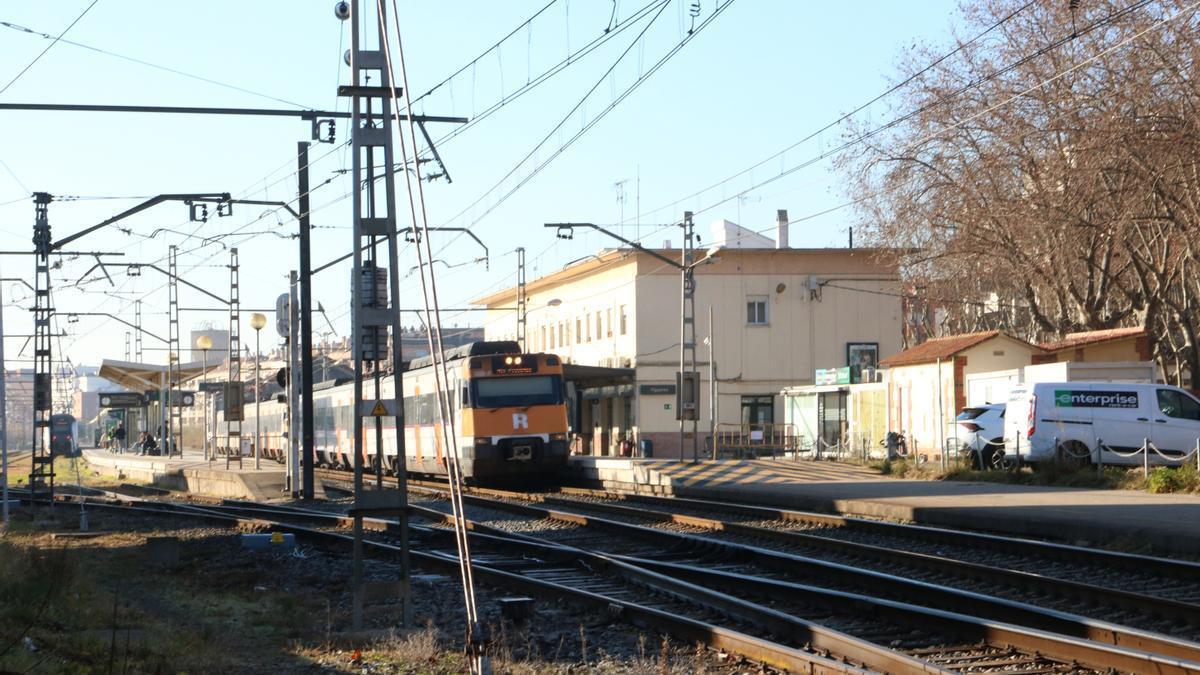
(1072, 398)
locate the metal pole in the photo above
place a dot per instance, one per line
(257, 398)
(307, 452)
(712, 385)
(941, 415)
(1145, 457)
(293, 387)
(204, 381)
(3, 419)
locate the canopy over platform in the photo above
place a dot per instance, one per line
(586, 377)
(145, 376)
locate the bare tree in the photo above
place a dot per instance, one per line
(1048, 175)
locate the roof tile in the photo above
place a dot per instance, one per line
(937, 348)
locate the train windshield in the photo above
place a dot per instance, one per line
(498, 392)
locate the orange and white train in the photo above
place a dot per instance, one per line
(508, 411)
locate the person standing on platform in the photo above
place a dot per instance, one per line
(119, 437)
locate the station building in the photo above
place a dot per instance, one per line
(778, 314)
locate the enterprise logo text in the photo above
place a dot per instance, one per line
(1066, 398)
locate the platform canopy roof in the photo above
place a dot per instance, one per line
(145, 376)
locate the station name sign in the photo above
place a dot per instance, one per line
(656, 389)
(122, 399)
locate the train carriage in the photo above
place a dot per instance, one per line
(507, 409)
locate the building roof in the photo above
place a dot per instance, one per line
(144, 376)
(940, 348)
(609, 258)
(1091, 337)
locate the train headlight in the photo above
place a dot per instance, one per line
(508, 360)
(517, 360)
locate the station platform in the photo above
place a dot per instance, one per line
(191, 473)
(1164, 523)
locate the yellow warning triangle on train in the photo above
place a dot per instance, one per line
(380, 410)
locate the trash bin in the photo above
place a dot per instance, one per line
(646, 446)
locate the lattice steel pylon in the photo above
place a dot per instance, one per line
(41, 472)
(137, 334)
(375, 301)
(689, 376)
(235, 407)
(174, 357)
(522, 298)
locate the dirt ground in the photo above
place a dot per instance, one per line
(106, 603)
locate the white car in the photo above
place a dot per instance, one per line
(981, 435)
(1079, 423)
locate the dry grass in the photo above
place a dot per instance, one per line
(1183, 479)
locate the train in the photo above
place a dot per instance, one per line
(64, 436)
(508, 407)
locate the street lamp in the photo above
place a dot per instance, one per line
(257, 321)
(204, 343)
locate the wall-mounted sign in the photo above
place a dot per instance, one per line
(656, 389)
(212, 387)
(831, 376)
(124, 399)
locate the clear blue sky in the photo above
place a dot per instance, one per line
(761, 76)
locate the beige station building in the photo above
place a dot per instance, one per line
(778, 315)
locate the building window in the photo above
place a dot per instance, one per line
(561, 342)
(758, 410)
(542, 337)
(579, 331)
(623, 326)
(756, 310)
(599, 327)
(608, 321)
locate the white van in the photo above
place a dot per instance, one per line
(1077, 423)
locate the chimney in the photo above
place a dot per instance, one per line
(781, 229)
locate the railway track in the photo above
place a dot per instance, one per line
(591, 532)
(785, 625)
(1084, 585)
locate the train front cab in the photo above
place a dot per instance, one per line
(514, 416)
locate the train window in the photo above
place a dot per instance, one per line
(426, 411)
(498, 392)
(410, 410)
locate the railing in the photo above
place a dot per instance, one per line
(1144, 451)
(755, 440)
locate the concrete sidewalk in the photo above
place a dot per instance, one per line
(1165, 523)
(191, 473)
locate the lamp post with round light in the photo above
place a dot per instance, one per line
(204, 343)
(257, 322)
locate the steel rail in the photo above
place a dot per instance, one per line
(1038, 642)
(1054, 550)
(925, 593)
(755, 648)
(1063, 587)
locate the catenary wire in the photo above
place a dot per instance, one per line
(49, 46)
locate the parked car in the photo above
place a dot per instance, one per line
(981, 434)
(1078, 423)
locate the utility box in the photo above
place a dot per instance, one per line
(235, 402)
(687, 396)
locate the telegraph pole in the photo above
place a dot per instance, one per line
(304, 344)
(687, 384)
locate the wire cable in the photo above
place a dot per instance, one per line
(48, 47)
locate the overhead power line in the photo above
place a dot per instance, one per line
(148, 64)
(49, 46)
